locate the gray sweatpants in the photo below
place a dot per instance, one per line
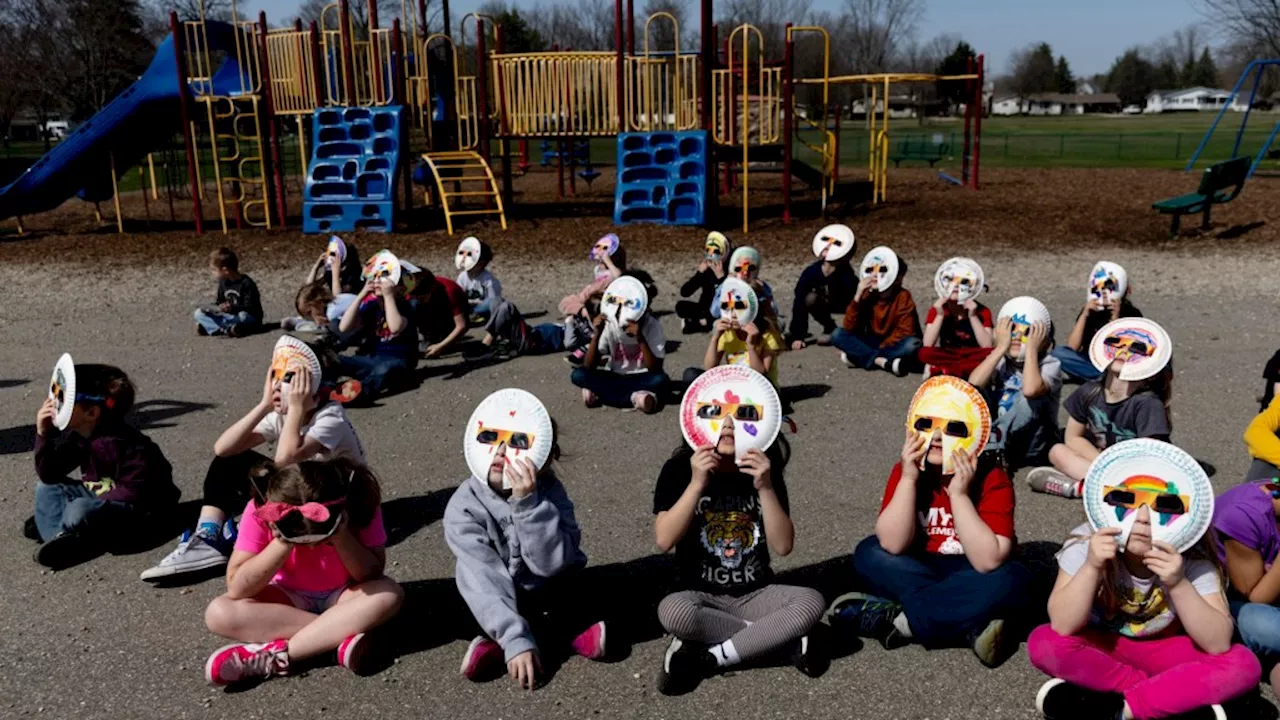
(759, 622)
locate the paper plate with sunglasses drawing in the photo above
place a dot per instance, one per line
(514, 419)
(833, 242)
(1023, 312)
(716, 246)
(336, 252)
(384, 264)
(731, 392)
(744, 263)
(959, 279)
(881, 264)
(468, 254)
(1108, 283)
(953, 407)
(738, 301)
(62, 390)
(1165, 478)
(624, 301)
(604, 247)
(1143, 346)
(290, 356)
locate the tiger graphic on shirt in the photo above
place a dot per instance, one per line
(730, 536)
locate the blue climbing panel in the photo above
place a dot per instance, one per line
(662, 178)
(351, 180)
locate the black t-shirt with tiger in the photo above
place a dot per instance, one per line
(724, 550)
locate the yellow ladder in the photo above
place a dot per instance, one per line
(461, 167)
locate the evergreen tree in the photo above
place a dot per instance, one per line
(1205, 72)
(1063, 78)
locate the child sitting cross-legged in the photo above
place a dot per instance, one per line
(825, 288)
(483, 291)
(306, 576)
(695, 315)
(628, 340)
(881, 328)
(957, 331)
(237, 309)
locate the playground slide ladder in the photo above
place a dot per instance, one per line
(467, 171)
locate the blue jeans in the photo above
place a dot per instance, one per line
(1025, 432)
(1259, 628)
(863, 350)
(484, 308)
(1075, 364)
(614, 389)
(217, 323)
(547, 338)
(67, 507)
(947, 601)
(375, 372)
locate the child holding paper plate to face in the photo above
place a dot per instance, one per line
(385, 320)
(881, 328)
(721, 505)
(329, 290)
(745, 334)
(1023, 383)
(629, 342)
(306, 576)
(1130, 400)
(484, 292)
(957, 331)
(296, 414)
(1246, 519)
(695, 315)
(518, 547)
(1138, 620)
(939, 567)
(1107, 301)
(744, 264)
(826, 287)
(342, 259)
(99, 482)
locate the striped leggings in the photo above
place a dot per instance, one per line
(759, 622)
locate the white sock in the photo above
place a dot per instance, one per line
(725, 654)
(902, 625)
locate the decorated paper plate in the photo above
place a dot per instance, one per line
(738, 301)
(383, 265)
(1165, 478)
(337, 250)
(1142, 344)
(880, 263)
(731, 391)
(1108, 282)
(624, 301)
(716, 246)
(744, 263)
(468, 254)
(511, 417)
(960, 276)
(835, 240)
(62, 388)
(956, 409)
(290, 356)
(605, 246)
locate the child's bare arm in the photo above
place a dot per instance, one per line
(1076, 440)
(249, 573)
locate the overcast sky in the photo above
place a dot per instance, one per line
(1091, 33)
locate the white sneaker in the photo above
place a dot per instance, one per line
(194, 552)
(844, 358)
(1051, 481)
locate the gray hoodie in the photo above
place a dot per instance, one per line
(506, 545)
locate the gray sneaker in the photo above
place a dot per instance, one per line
(990, 646)
(1050, 481)
(194, 552)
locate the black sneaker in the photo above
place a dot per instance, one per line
(868, 616)
(1219, 712)
(65, 550)
(1060, 700)
(683, 667)
(810, 653)
(29, 529)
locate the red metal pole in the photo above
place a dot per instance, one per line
(375, 72)
(423, 30)
(789, 123)
(184, 101)
(619, 72)
(347, 51)
(277, 177)
(968, 117)
(708, 59)
(631, 27)
(317, 69)
(977, 120)
(398, 94)
(731, 115)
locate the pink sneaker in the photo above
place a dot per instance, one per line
(590, 399)
(481, 659)
(353, 652)
(244, 662)
(590, 644)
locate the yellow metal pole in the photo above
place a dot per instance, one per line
(151, 164)
(217, 171)
(115, 194)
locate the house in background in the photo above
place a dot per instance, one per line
(1056, 104)
(1195, 99)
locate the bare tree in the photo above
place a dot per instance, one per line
(661, 33)
(879, 30)
(770, 16)
(1253, 23)
(581, 25)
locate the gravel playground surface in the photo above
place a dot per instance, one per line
(94, 641)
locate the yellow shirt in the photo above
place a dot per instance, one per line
(733, 351)
(1261, 437)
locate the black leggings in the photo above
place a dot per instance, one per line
(227, 485)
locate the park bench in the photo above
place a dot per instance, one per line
(1219, 185)
(920, 148)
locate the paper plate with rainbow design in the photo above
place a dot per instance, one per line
(731, 391)
(1161, 476)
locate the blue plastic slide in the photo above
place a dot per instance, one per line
(143, 118)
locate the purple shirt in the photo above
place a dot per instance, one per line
(1246, 514)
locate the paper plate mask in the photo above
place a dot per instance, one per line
(304, 524)
(624, 301)
(738, 301)
(468, 254)
(716, 246)
(290, 356)
(882, 264)
(835, 240)
(512, 418)
(731, 391)
(1143, 345)
(383, 265)
(956, 409)
(744, 263)
(337, 251)
(1108, 282)
(1024, 312)
(1161, 476)
(62, 389)
(960, 276)
(607, 245)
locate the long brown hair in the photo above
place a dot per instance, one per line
(323, 481)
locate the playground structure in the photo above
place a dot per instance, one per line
(359, 98)
(1254, 70)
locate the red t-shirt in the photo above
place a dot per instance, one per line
(992, 496)
(957, 332)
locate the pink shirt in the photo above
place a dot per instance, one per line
(311, 568)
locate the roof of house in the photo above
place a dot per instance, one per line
(1065, 99)
(1188, 91)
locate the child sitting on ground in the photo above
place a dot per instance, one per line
(628, 340)
(306, 576)
(695, 315)
(1247, 521)
(1262, 437)
(297, 416)
(389, 351)
(124, 485)
(1108, 301)
(238, 306)
(578, 309)
(483, 291)
(825, 287)
(518, 547)
(346, 258)
(744, 264)
(328, 292)
(745, 334)
(1130, 400)
(957, 332)
(441, 310)
(1023, 384)
(881, 328)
